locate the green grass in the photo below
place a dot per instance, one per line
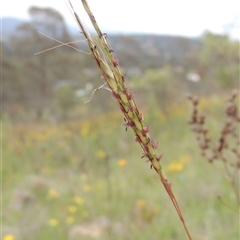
(60, 179)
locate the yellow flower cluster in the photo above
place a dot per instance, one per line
(52, 194)
(27, 136)
(178, 165)
(122, 162)
(78, 200)
(53, 222)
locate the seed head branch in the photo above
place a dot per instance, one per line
(109, 66)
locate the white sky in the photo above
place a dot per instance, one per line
(175, 17)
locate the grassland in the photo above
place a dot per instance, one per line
(86, 180)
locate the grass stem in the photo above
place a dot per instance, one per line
(109, 67)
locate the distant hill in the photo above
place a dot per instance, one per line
(140, 48)
(9, 25)
(161, 48)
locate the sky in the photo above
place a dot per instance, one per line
(189, 18)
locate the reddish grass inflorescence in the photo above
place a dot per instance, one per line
(227, 147)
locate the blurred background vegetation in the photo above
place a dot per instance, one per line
(52, 85)
(63, 160)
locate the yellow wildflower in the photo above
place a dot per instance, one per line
(141, 203)
(52, 193)
(85, 129)
(9, 237)
(175, 167)
(78, 200)
(122, 162)
(53, 222)
(101, 154)
(72, 209)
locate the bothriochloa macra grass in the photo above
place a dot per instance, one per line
(108, 64)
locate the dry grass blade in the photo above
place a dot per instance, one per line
(60, 45)
(108, 64)
(102, 86)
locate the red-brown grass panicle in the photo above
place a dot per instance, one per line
(227, 147)
(108, 64)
